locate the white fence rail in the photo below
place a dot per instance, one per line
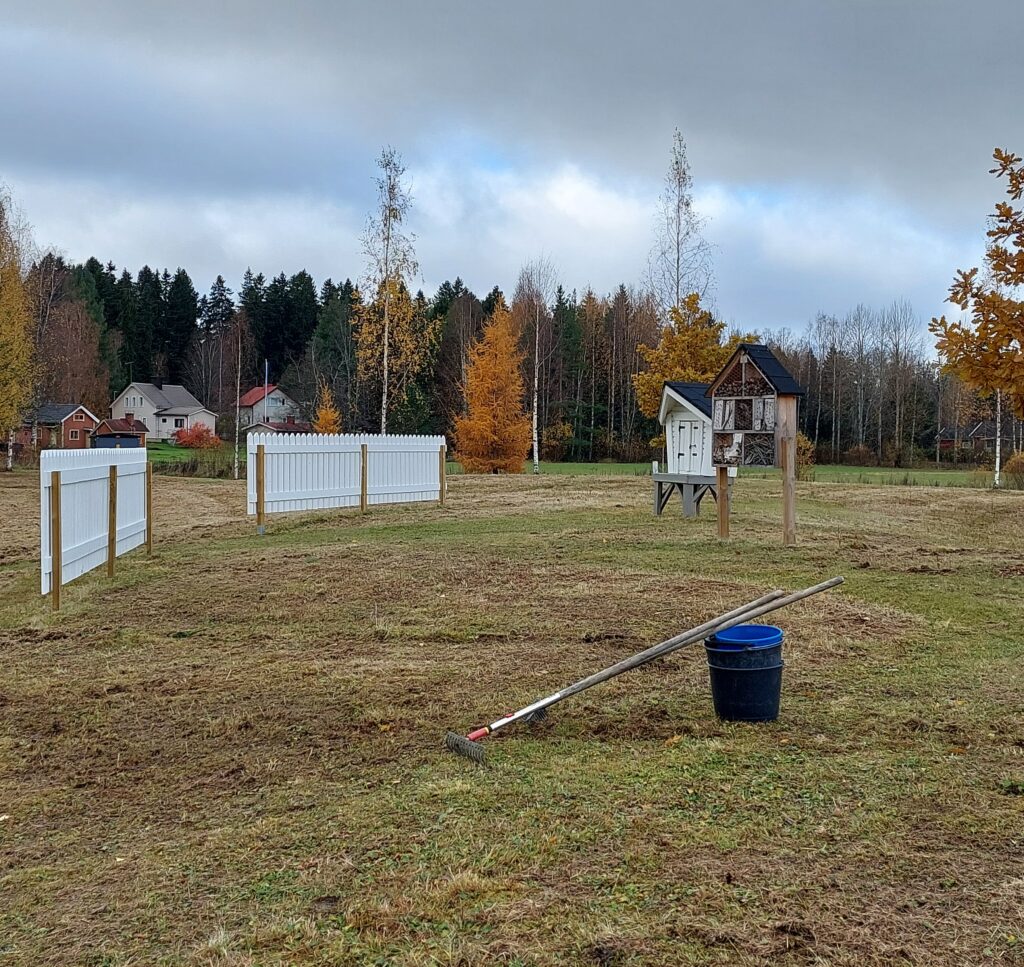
(305, 471)
(79, 513)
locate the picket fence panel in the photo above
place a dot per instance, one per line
(310, 471)
(84, 504)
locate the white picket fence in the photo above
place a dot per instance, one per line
(307, 471)
(84, 509)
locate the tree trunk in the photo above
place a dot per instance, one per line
(999, 436)
(536, 387)
(10, 449)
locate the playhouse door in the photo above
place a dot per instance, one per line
(685, 447)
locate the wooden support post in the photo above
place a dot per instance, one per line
(149, 509)
(442, 458)
(261, 489)
(787, 451)
(364, 476)
(722, 495)
(112, 520)
(56, 565)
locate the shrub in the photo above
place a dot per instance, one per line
(1014, 471)
(804, 458)
(555, 441)
(200, 437)
(860, 455)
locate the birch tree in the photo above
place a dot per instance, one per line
(534, 290)
(390, 255)
(680, 261)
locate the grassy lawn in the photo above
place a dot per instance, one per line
(230, 753)
(890, 476)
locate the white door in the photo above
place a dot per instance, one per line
(696, 447)
(684, 446)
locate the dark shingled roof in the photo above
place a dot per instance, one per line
(694, 393)
(773, 370)
(50, 414)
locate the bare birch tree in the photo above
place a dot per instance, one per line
(534, 290)
(680, 261)
(390, 255)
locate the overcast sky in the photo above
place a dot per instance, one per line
(839, 147)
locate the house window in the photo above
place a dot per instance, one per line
(179, 423)
(73, 434)
(163, 419)
(79, 417)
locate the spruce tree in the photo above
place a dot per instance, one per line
(180, 311)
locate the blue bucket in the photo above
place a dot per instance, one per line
(745, 664)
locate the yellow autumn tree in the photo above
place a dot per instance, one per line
(494, 435)
(690, 349)
(987, 353)
(16, 343)
(395, 338)
(328, 416)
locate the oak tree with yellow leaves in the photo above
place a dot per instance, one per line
(987, 352)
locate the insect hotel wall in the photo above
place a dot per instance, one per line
(753, 422)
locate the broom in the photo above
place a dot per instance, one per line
(468, 747)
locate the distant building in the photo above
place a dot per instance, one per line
(117, 434)
(289, 425)
(266, 404)
(164, 408)
(65, 426)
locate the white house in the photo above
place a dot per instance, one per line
(685, 414)
(165, 408)
(266, 404)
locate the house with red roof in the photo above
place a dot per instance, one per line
(118, 434)
(266, 404)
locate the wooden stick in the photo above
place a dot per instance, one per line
(442, 471)
(149, 509)
(261, 489)
(722, 487)
(56, 564)
(364, 476)
(112, 520)
(787, 446)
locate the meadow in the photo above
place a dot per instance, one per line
(231, 752)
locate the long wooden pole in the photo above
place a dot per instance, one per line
(261, 489)
(442, 471)
(56, 564)
(149, 509)
(787, 445)
(112, 520)
(722, 493)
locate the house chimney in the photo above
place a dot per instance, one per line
(290, 419)
(158, 382)
(129, 417)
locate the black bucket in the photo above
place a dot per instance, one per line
(745, 663)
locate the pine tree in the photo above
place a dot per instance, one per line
(179, 315)
(494, 435)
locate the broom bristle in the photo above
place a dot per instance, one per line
(467, 748)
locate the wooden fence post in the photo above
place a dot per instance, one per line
(442, 473)
(364, 459)
(56, 566)
(787, 445)
(722, 487)
(261, 489)
(112, 520)
(149, 509)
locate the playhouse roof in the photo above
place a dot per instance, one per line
(761, 356)
(693, 393)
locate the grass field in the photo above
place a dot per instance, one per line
(230, 753)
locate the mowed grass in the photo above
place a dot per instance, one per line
(231, 753)
(889, 476)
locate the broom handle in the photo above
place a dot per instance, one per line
(755, 609)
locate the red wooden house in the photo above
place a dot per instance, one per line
(64, 426)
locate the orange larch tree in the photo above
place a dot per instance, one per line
(494, 435)
(328, 417)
